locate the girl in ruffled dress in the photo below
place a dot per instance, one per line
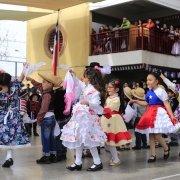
(12, 130)
(158, 118)
(112, 121)
(84, 128)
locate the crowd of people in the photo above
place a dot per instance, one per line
(88, 116)
(162, 38)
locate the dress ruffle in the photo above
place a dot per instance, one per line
(84, 128)
(157, 120)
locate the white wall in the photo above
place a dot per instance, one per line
(136, 57)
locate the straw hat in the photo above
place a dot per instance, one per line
(128, 92)
(161, 86)
(139, 93)
(50, 77)
(172, 90)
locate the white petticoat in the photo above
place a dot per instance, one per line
(162, 124)
(84, 128)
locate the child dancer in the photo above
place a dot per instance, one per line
(158, 118)
(12, 130)
(46, 117)
(84, 128)
(23, 101)
(127, 98)
(32, 107)
(112, 122)
(139, 94)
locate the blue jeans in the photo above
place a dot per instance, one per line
(61, 150)
(47, 136)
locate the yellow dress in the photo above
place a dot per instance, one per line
(113, 124)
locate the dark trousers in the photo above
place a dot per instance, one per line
(139, 137)
(34, 126)
(61, 150)
(47, 136)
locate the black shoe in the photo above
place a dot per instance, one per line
(61, 157)
(8, 163)
(136, 148)
(173, 144)
(44, 160)
(36, 134)
(53, 158)
(29, 134)
(166, 156)
(152, 160)
(76, 167)
(96, 168)
(144, 147)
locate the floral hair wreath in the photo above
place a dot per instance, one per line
(97, 68)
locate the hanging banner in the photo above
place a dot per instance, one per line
(147, 67)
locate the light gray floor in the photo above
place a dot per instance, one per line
(133, 166)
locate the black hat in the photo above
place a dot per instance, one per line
(93, 64)
(23, 93)
(34, 94)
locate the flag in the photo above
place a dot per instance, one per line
(56, 50)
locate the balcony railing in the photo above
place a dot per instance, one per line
(132, 39)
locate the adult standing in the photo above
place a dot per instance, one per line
(125, 33)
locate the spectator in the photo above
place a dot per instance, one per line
(176, 32)
(28, 89)
(157, 25)
(101, 29)
(99, 49)
(135, 23)
(139, 23)
(126, 85)
(93, 31)
(116, 29)
(108, 44)
(150, 25)
(107, 28)
(94, 50)
(165, 32)
(125, 33)
(171, 32)
(125, 24)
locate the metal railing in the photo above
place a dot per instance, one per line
(132, 39)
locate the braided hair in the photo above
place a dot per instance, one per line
(95, 78)
(116, 83)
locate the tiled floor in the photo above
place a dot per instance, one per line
(133, 166)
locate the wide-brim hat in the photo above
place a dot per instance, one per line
(34, 94)
(23, 93)
(128, 92)
(50, 77)
(93, 64)
(139, 93)
(161, 86)
(172, 90)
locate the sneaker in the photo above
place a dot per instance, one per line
(43, 160)
(53, 158)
